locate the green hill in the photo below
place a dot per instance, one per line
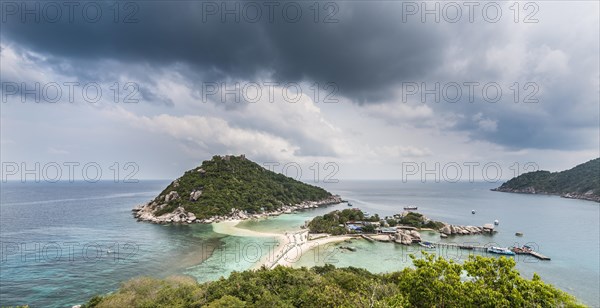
(227, 183)
(580, 182)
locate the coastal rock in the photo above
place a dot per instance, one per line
(406, 239)
(416, 236)
(446, 230)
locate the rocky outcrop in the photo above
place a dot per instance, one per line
(407, 237)
(173, 195)
(590, 196)
(460, 230)
(195, 195)
(146, 211)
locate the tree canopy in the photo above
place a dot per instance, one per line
(433, 282)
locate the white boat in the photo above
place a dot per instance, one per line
(496, 222)
(427, 245)
(500, 251)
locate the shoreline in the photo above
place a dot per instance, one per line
(576, 196)
(290, 248)
(145, 212)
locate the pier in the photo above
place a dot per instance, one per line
(484, 249)
(539, 255)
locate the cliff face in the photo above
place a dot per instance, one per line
(230, 187)
(580, 182)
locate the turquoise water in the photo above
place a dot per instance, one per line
(89, 215)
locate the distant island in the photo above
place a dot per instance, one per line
(230, 187)
(580, 182)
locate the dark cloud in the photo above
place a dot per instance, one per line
(365, 52)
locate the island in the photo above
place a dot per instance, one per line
(580, 182)
(402, 228)
(230, 188)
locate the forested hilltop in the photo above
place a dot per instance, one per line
(580, 182)
(478, 282)
(229, 186)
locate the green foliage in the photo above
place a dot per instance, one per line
(580, 180)
(432, 224)
(368, 229)
(412, 219)
(330, 222)
(235, 182)
(433, 282)
(417, 220)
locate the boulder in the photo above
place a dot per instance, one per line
(172, 195)
(446, 230)
(406, 239)
(194, 195)
(415, 235)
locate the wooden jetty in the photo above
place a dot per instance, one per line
(539, 255)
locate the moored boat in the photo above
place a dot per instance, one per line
(521, 250)
(500, 251)
(427, 245)
(410, 208)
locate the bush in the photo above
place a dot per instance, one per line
(433, 282)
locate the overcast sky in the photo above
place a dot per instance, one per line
(396, 89)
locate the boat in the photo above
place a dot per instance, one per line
(496, 222)
(521, 250)
(348, 248)
(519, 234)
(349, 204)
(468, 247)
(427, 245)
(410, 208)
(473, 212)
(500, 251)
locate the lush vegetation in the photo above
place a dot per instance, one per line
(582, 179)
(417, 220)
(333, 222)
(433, 282)
(235, 182)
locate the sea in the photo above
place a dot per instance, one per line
(62, 243)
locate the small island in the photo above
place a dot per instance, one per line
(401, 228)
(230, 188)
(580, 182)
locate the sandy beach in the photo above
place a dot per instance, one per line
(291, 247)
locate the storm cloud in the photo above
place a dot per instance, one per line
(369, 49)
